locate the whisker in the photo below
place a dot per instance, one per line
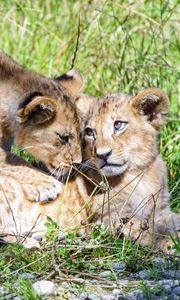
(58, 172)
(88, 178)
(88, 165)
(59, 175)
(117, 156)
(27, 147)
(54, 170)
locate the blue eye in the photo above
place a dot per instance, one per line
(120, 125)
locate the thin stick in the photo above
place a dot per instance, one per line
(77, 44)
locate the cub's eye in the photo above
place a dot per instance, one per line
(89, 131)
(63, 138)
(120, 125)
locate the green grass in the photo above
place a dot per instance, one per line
(75, 259)
(123, 46)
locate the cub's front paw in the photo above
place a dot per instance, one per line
(43, 191)
(35, 185)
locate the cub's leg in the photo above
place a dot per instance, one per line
(129, 226)
(167, 222)
(137, 229)
(145, 233)
(36, 185)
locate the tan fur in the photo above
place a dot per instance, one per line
(21, 218)
(135, 172)
(38, 114)
(137, 198)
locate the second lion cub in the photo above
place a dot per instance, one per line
(121, 139)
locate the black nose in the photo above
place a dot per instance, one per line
(105, 155)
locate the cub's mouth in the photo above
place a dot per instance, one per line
(110, 169)
(60, 173)
(64, 173)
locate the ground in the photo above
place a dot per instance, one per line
(118, 46)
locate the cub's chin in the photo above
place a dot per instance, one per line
(110, 170)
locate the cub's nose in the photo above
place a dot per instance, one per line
(104, 155)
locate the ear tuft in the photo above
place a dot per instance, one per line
(73, 81)
(38, 111)
(153, 103)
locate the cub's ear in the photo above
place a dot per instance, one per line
(38, 110)
(153, 103)
(73, 81)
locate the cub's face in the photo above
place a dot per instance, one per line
(56, 142)
(121, 130)
(49, 129)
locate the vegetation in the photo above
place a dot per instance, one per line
(118, 46)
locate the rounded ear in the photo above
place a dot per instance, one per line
(39, 110)
(154, 104)
(73, 81)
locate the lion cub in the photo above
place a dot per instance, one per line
(38, 114)
(121, 139)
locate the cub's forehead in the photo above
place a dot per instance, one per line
(68, 115)
(67, 109)
(109, 104)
